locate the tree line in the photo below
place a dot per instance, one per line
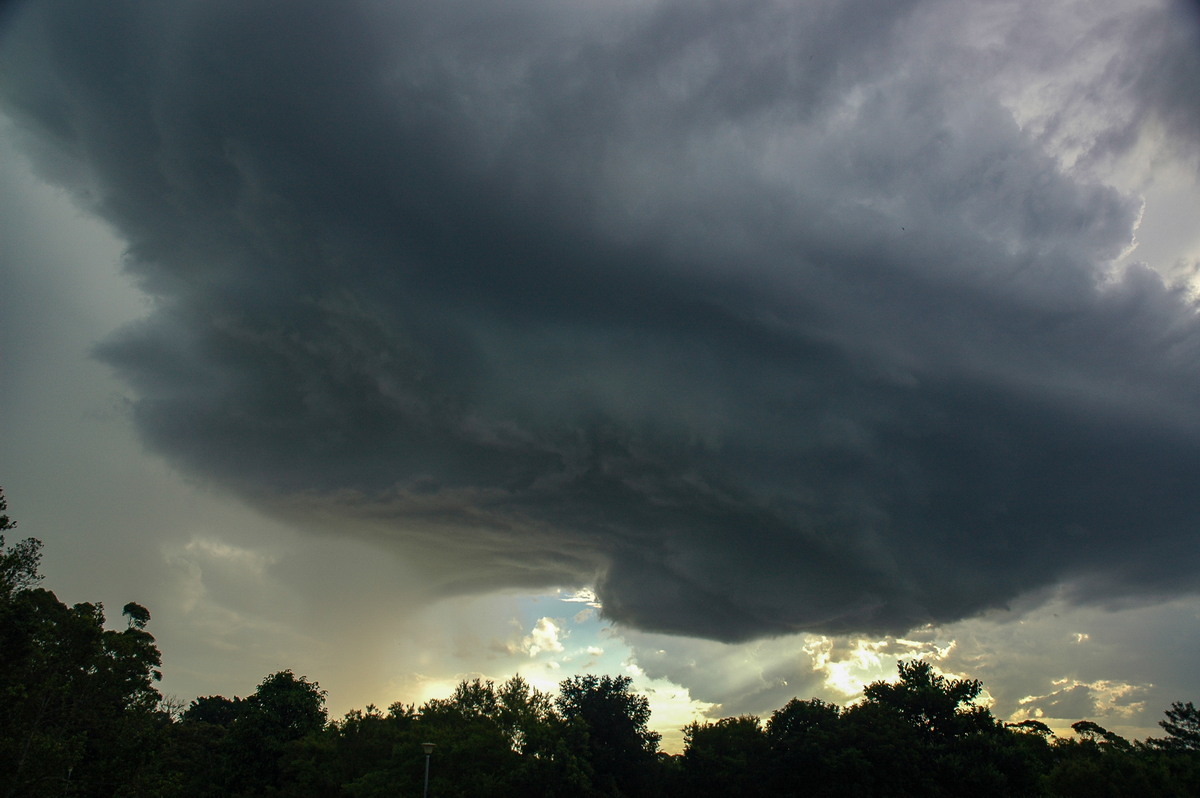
(80, 716)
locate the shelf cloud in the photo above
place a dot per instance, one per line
(760, 317)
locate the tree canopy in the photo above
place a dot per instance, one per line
(78, 705)
(80, 716)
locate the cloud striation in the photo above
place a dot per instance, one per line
(760, 316)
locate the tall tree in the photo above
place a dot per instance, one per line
(77, 701)
(926, 734)
(284, 709)
(1182, 727)
(725, 757)
(1093, 732)
(19, 562)
(808, 753)
(931, 703)
(613, 727)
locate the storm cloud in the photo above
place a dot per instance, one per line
(760, 317)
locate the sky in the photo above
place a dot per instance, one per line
(741, 347)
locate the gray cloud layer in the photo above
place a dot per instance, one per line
(765, 318)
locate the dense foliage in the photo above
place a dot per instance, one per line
(78, 707)
(79, 716)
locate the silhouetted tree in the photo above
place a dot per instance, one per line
(925, 735)
(214, 709)
(1032, 726)
(726, 757)
(77, 701)
(1095, 733)
(609, 728)
(1097, 766)
(19, 562)
(932, 704)
(282, 710)
(1182, 727)
(807, 754)
(80, 716)
(138, 615)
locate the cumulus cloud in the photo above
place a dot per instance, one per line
(759, 318)
(1130, 664)
(1083, 700)
(543, 637)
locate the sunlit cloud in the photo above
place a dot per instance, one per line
(544, 637)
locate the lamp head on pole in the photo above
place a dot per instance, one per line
(428, 747)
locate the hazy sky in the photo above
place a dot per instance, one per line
(746, 347)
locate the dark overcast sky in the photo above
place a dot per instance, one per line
(758, 317)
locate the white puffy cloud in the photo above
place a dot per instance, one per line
(543, 638)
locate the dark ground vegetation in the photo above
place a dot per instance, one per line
(80, 716)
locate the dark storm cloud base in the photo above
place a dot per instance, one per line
(760, 317)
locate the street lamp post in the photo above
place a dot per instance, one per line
(428, 750)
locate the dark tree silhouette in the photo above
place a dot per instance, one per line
(1183, 727)
(213, 709)
(77, 701)
(725, 757)
(19, 562)
(80, 716)
(610, 731)
(931, 703)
